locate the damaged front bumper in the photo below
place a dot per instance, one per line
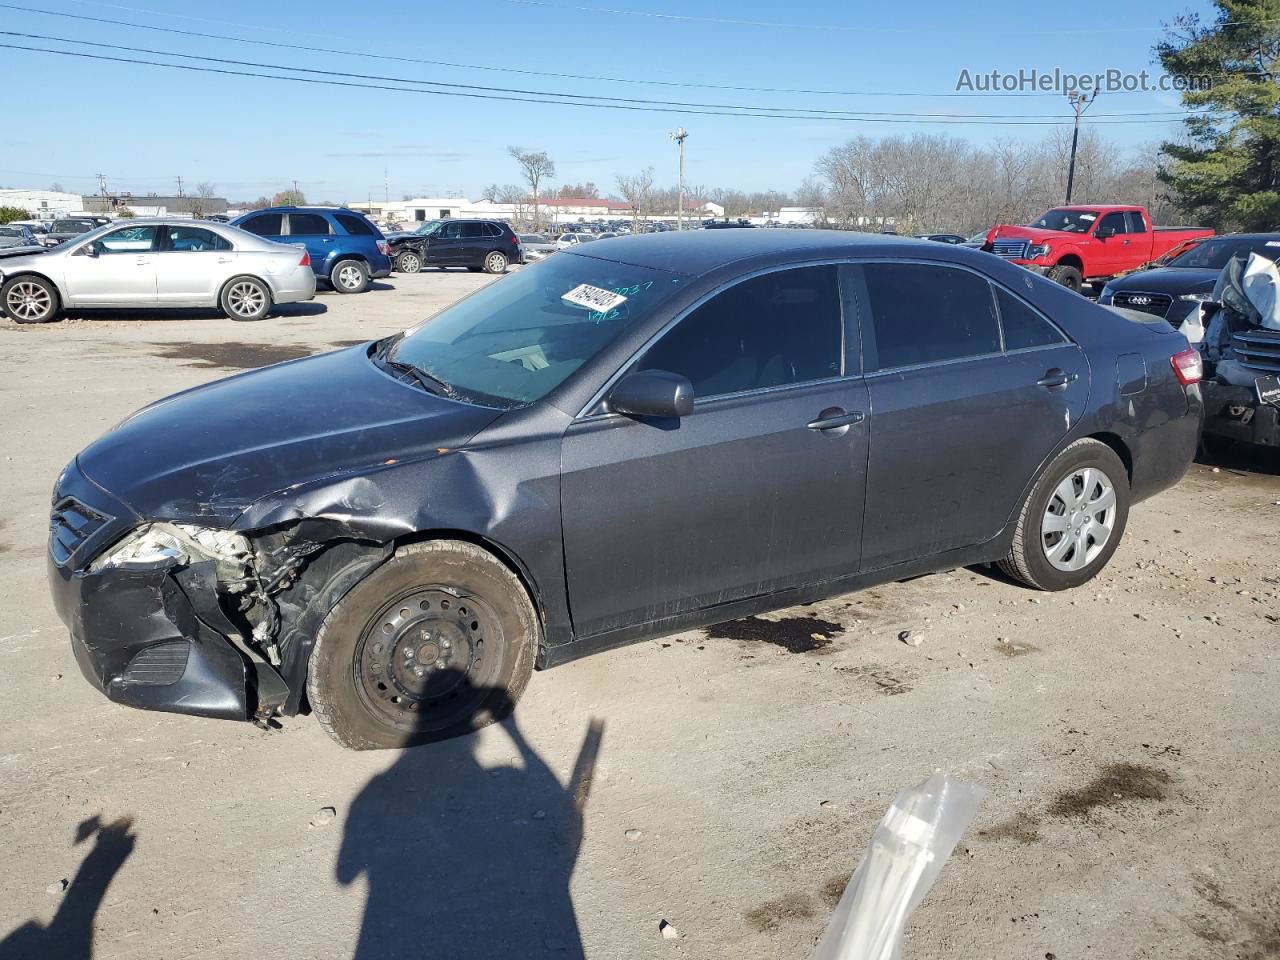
(152, 636)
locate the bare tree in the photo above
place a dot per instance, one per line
(200, 202)
(536, 167)
(637, 190)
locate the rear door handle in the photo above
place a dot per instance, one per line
(1057, 378)
(833, 419)
(224, 259)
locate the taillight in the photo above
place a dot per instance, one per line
(515, 241)
(384, 248)
(306, 259)
(1188, 366)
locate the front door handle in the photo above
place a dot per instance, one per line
(835, 418)
(1057, 378)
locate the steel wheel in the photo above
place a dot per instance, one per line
(423, 662)
(246, 299)
(495, 262)
(350, 277)
(28, 302)
(1079, 519)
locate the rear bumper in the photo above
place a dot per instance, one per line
(295, 287)
(1234, 413)
(1162, 452)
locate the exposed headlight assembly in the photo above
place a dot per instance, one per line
(165, 544)
(1197, 297)
(1037, 250)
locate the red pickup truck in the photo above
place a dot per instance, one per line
(1090, 242)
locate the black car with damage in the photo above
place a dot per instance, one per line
(623, 441)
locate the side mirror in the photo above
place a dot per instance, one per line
(652, 393)
(88, 250)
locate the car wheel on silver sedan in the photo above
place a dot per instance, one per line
(30, 299)
(246, 298)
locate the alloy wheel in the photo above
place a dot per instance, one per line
(245, 299)
(1079, 519)
(496, 263)
(350, 277)
(28, 301)
(409, 263)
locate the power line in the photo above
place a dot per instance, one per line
(475, 66)
(597, 99)
(760, 113)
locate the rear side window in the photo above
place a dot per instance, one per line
(196, 240)
(472, 231)
(265, 225)
(775, 329)
(307, 225)
(492, 230)
(921, 313)
(1023, 327)
(356, 226)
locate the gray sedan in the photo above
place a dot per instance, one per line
(157, 263)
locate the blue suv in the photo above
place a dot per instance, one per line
(346, 249)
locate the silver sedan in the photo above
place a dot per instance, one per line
(157, 263)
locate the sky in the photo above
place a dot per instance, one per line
(143, 126)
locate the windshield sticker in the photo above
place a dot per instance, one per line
(593, 298)
(1273, 243)
(1088, 216)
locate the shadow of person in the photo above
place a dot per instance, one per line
(69, 936)
(467, 861)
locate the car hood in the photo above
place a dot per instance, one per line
(1035, 234)
(1170, 280)
(207, 454)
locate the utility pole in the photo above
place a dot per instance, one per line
(679, 138)
(295, 191)
(179, 186)
(102, 184)
(1079, 104)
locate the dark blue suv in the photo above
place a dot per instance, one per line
(346, 249)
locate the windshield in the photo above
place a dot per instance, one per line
(1067, 221)
(12, 232)
(430, 226)
(1214, 254)
(516, 340)
(532, 238)
(72, 226)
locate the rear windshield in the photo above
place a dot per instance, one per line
(1067, 221)
(73, 226)
(1215, 254)
(516, 340)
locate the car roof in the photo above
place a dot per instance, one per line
(697, 252)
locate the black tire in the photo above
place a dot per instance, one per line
(408, 261)
(476, 269)
(373, 682)
(30, 299)
(1069, 277)
(245, 299)
(495, 261)
(1028, 560)
(349, 276)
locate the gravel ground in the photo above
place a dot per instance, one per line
(725, 781)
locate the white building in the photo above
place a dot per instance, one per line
(43, 204)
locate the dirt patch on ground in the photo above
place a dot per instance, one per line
(1021, 828)
(1014, 648)
(1117, 784)
(882, 679)
(1254, 934)
(774, 913)
(230, 356)
(793, 634)
(833, 889)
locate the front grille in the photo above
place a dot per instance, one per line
(1258, 350)
(70, 524)
(1156, 304)
(159, 664)
(1010, 249)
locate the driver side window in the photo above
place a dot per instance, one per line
(450, 231)
(1113, 223)
(128, 240)
(775, 329)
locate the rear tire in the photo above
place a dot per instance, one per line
(495, 262)
(436, 642)
(245, 299)
(410, 261)
(349, 276)
(1072, 520)
(30, 299)
(1069, 277)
